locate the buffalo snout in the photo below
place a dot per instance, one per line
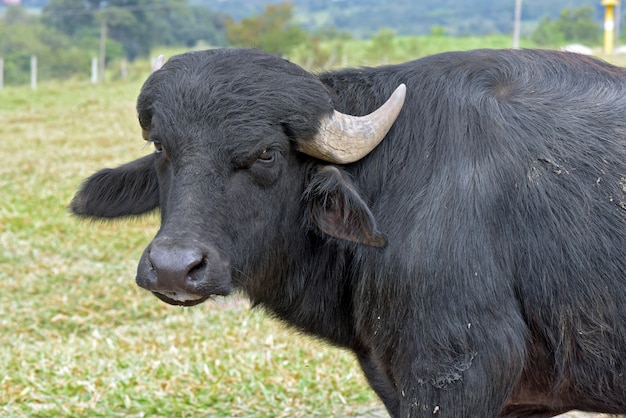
(181, 273)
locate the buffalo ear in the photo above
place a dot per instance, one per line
(130, 189)
(337, 209)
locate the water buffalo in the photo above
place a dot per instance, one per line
(458, 222)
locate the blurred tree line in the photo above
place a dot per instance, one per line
(67, 34)
(572, 26)
(274, 30)
(136, 25)
(363, 18)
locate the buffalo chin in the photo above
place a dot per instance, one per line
(181, 302)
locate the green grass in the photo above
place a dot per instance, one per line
(362, 52)
(79, 338)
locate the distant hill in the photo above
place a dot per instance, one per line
(406, 17)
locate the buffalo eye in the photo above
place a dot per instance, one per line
(267, 156)
(158, 147)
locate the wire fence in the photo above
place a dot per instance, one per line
(92, 72)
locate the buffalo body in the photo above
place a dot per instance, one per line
(474, 261)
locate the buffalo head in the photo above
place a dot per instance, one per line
(242, 171)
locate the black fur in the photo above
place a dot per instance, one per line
(131, 189)
(475, 261)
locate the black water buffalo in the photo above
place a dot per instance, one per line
(474, 260)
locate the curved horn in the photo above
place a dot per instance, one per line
(344, 139)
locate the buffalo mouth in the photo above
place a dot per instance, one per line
(180, 298)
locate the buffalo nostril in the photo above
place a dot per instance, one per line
(197, 271)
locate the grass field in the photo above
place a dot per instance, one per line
(79, 338)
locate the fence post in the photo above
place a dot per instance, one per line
(94, 70)
(124, 69)
(33, 72)
(103, 45)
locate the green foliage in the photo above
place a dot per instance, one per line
(547, 33)
(331, 33)
(16, 15)
(382, 44)
(437, 30)
(67, 35)
(337, 53)
(316, 54)
(21, 36)
(578, 25)
(192, 25)
(138, 25)
(363, 18)
(135, 27)
(573, 25)
(273, 31)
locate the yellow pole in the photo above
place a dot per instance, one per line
(609, 25)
